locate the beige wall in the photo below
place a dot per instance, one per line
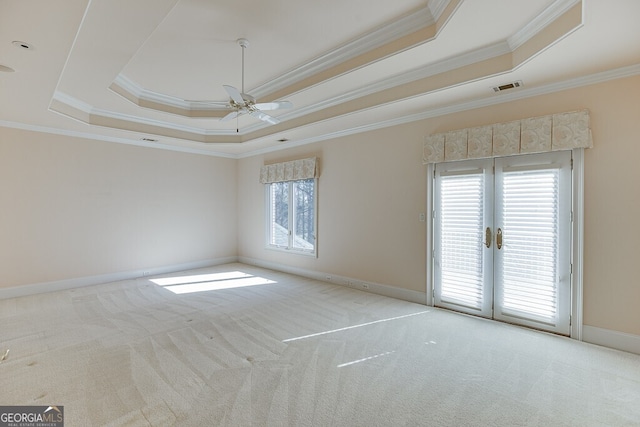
(373, 187)
(370, 194)
(76, 208)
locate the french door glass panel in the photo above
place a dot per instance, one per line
(502, 239)
(463, 261)
(532, 279)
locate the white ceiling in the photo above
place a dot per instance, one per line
(122, 70)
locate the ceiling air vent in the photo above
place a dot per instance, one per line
(508, 86)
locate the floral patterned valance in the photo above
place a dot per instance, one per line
(564, 131)
(289, 171)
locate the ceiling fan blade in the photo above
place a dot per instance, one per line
(234, 94)
(265, 117)
(232, 115)
(276, 105)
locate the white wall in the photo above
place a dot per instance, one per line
(74, 208)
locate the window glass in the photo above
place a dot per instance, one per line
(292, 215)
(304, 215)
(279, 221)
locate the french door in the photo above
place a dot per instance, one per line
(502, 239)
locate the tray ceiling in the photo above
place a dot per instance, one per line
(132, 72)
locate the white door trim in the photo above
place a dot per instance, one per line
(577, 241)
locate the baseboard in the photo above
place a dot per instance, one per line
(59, 285)
(612, 339)
(591, 334)
(376, 288)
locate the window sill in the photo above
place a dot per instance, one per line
(313, 254)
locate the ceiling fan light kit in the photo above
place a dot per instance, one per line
(243, 103)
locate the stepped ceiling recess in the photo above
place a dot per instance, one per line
(131, 71)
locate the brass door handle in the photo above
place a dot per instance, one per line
(499, 238)
(487, 237)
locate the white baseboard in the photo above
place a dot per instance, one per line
(59, 285)
(376, 288)
(591, 334)
(611, 339)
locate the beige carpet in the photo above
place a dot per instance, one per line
(272, 349)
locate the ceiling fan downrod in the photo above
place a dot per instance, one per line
(244, 43)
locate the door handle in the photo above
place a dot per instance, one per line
(499, 238)
(487, 237)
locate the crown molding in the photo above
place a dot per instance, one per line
(72, 102)
(618, 73)
(410, 23)
(98, 112)
(406, 25)
(142, 94)
(151, 122)
(138, 91)
(104, 138)
(537, 24)
(437, 7)
(407, 77)
(430, 70)
(92, 111)
(435, 10)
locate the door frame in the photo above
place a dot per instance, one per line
(577, 244)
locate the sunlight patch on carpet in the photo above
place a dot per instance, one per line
(353, 327)
(366, 359)
(210, 282)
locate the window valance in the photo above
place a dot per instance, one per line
(564, 131)
(289, 171)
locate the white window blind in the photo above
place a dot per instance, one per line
(502, 239)
(530, 220)
(461, 238)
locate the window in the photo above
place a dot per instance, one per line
(291, 216)
(291, 201)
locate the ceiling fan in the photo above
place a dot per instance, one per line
(243, 103)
